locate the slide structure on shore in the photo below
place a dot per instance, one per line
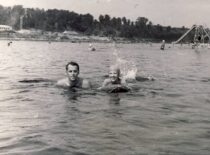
(201, 35)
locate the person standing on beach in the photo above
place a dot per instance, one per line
(73, 80)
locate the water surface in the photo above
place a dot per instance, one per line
(169, 115)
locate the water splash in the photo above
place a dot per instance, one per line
(128, 68)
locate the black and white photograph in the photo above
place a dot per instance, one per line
(104, 77)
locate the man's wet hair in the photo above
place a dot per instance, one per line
(73, 64)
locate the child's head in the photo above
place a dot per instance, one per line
(114, 73)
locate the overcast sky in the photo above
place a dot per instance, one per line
(165, 12)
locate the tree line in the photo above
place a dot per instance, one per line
(60, 20)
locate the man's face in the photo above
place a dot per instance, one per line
(113, 75)
(72, 72)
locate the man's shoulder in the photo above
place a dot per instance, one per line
(81, 83)
(63, 82)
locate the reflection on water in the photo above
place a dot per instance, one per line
(114, 98)
(167, 111)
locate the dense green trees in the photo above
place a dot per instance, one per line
(60, 20)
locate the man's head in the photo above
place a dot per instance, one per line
(72, 70)
(114, 73)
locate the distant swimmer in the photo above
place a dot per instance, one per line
(114, 83)
(91, 48)
(150, 43)
(73, 80)
(162, 47)
(9, 43)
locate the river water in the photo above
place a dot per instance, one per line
(167, 116)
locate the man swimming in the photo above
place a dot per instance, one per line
(73, 80)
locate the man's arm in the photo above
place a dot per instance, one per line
(86, 84)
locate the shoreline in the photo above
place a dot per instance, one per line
(121, 40)
(75, 39)
(80, 40)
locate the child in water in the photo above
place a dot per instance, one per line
(114, 82)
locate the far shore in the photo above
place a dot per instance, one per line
(78, 38)
(116, 40)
